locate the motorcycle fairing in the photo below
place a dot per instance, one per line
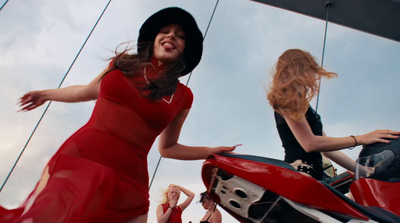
(276, 177)
(371, 192)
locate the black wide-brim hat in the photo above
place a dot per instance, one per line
(194, 37)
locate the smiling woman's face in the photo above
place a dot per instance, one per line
(169, 44)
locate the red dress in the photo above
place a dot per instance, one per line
(176, 214)
(100, 173)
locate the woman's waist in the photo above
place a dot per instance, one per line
(107, 149)
(138, 138)
(292, 155)
(129, 169)
(122, 120)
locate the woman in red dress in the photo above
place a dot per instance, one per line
(100, 173)
(169, 211)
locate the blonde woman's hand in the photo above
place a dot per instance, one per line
(173, 202)
(32, 100)
(382, 136)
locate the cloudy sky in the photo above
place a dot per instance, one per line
(39, 40)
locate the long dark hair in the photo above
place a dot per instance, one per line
(132, 64)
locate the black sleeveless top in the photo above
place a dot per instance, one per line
(206, 221)
(293, 150)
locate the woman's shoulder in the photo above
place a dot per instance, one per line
(312, 113)
(217, 212)
(216, 216)
(185, 92)
(184, 87)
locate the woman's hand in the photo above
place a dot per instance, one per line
(74, 93)
(222, 149)
(32, 100)
(173, 202)
(377, 136)
(190, 195)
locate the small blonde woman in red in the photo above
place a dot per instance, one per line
(169, 211)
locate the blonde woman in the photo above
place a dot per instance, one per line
(169, 211)
(295, 83)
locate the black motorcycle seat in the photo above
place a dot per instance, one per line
(260, 159)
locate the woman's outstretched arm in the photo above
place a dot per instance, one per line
(313, 143)
(75, 93)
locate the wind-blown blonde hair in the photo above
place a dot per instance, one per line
(164, 197)
(295, 82)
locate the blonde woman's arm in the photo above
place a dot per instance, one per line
(190, 195)
(161, 216)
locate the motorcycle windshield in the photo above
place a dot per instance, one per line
(375, 165)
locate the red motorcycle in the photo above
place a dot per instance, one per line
(259, 189)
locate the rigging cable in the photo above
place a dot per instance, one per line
(48, 105)
(3, 5)
(327, 5)
(187, 83)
